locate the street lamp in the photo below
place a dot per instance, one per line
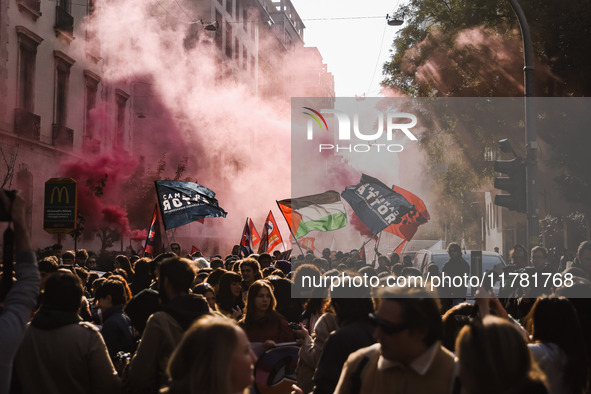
(531, 145)
(394, 21)
(211, 26)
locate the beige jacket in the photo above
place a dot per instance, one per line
(71, 359)
(434, 373)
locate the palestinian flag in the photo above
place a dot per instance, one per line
(318, 212)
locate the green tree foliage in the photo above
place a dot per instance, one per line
(465, 48)
(141, 203)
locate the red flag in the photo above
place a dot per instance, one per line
(362, 253)
(152, 233)
(271, 236)
(194, 249)
(253, 234)
(399, 248)
(410, 222)
(308, 243)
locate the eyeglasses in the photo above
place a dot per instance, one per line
(387, 327)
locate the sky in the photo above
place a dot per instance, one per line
(354, 48)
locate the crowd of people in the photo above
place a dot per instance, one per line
(189, 324)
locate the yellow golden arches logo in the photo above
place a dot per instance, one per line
(59, 191)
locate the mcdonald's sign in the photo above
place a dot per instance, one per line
(61, 200)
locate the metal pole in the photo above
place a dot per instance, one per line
(531, 145)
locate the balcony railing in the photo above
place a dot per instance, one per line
(63, 136)
(64, 22)
(27, 124)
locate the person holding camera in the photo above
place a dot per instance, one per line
(16, 301)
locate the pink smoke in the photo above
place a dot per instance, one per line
(138, 235)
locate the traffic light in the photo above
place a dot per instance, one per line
(514, 183)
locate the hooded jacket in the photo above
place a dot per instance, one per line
(60, 354)
(116, 331)
(164, 330)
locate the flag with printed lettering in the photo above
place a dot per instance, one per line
(376, 205)
(271, 236)
(185, 202)
(410, 222)
(254, 235)
(308, 243)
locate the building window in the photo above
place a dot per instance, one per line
(64, 21)
(218, 33)
(91, 87)
(229, 6)
(122, 98)
(61, 134)
(236, 50)
(228, 40)
(244, 58)
(26, 123)
(66, 5)
(28, 43)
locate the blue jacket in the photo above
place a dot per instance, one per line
(116, 331)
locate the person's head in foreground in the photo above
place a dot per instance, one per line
(214, 356)
(494, 358)
(408, 323)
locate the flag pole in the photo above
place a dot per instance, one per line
(240, 242)
(297, 243)
(399, 245)
(289, 226)
(375, 257)
(372, 237)
(160, 212)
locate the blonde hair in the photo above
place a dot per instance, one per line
(495, 355)
(201, 362)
